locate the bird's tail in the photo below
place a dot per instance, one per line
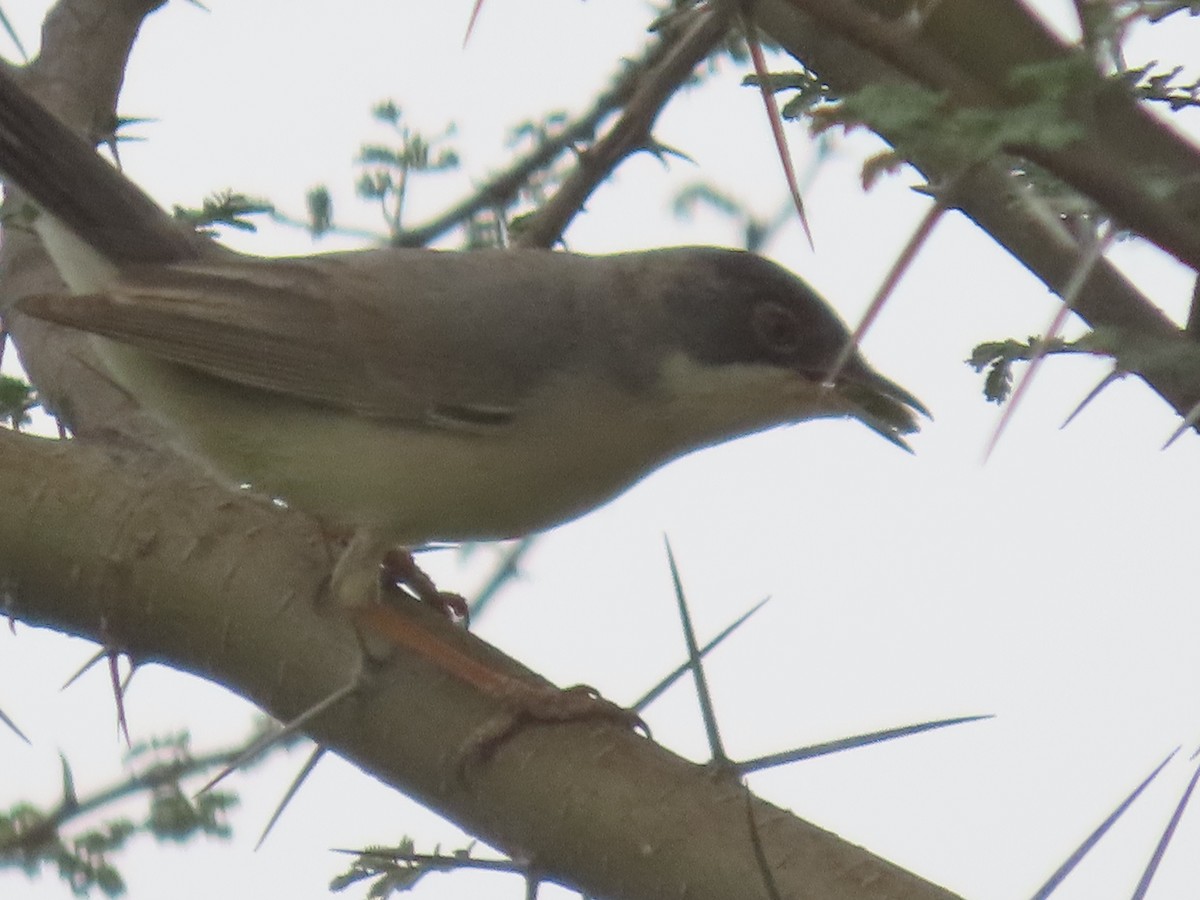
(65, 177)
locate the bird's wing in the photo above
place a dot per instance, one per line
(418, 336)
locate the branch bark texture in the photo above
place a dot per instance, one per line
(116, 538)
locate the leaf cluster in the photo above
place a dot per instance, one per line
(1130, 351)
(17, 398)
(809, 91)
(393, 870)
(229, 208)
(919, 118)
(1163, 87)
(33, 839)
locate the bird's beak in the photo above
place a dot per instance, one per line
(882, 405)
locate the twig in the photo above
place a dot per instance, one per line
(699, 34)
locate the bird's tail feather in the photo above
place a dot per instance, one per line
(65, 176)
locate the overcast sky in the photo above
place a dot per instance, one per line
(1052, 587)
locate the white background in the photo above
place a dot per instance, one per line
(1053, 586)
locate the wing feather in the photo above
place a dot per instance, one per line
(447, 339)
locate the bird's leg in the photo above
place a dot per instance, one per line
(358, 586)
(526, 702)
(401, 568)
(357, 576)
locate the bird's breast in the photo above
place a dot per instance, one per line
(564, 452)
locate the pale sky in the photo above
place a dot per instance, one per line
(1053, 586)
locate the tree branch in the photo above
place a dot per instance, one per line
(971, 50)
(125, 543)
(664, 58)
(228, 586)
(988, 193)
(694, 39)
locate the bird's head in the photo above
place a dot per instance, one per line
(753, 343)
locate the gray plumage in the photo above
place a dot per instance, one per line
(423, 394)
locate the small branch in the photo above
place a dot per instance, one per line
(993, 198)
(699, 34)
(1102, 165)
(500, 190)
(155, 776)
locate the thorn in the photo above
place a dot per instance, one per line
(719, 757)
(1090, 841)
(1164, 841)
(13, 726)
(1189, 420)
(91, 661)
(919, 236)
(303, 774)
(506, 571)
(1192, 328)
(1115, 375)
(266, 742)
(70, 800)
(471, 22)
(776, 121)
(850, 743)
(13, 36)
(1091, 254)
(655, 692)
(118, 689)
(118, 686)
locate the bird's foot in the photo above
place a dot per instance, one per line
(367, 567)
(527, 704)
(400, 568)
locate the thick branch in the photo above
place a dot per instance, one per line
(971, 48)
(991, 197)
(135, 547)
(228, 586)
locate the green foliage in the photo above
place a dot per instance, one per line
(30, 839)
(319, 203)
(1176, 355)
(915, 117)
(1163, 87)
(33, 839)
(176, 817)
(395, 869)
(998, 358)
(17, 398)
(225, 208)
(388, 167)
(1154, 11)
(810, 91)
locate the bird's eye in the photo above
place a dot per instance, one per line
(777, 327)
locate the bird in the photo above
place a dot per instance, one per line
(407, 396)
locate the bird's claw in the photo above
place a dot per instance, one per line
(542, 705)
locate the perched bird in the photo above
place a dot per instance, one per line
(408, 395)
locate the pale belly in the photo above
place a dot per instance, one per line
(409, 485)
